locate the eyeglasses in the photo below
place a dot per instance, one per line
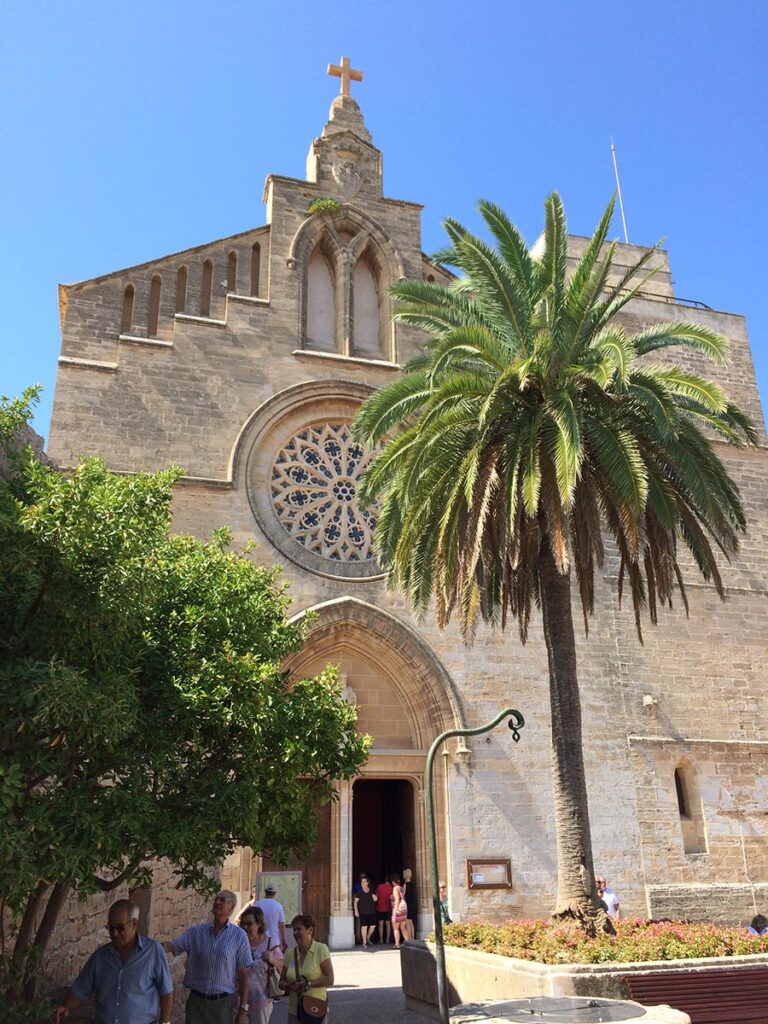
(120, 928)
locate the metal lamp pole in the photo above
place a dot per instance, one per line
(516, 723)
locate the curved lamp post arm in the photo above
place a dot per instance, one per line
(516, 723)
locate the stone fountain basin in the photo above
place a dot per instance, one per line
(564, 1010)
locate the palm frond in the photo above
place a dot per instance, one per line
(512, 247)
(391, 405)
(526, 425)
(567, 452)
(694, 336)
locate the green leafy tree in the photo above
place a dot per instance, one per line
(528, 428)
(144, 712)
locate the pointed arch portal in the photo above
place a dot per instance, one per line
(404, 698)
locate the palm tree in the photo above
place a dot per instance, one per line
(527, 429)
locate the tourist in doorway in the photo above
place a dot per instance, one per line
(399, 911)
(218, 958)
(267, 958)
(357, 888)
(274, 916)
(307, 971)
(365, 910)
(609, 898)
(409, 890)
(128, 976)
(384, 910)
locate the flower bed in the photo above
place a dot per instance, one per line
(636, 941)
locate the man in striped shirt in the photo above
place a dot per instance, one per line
(218, 958)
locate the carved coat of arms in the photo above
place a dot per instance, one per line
(347, 169)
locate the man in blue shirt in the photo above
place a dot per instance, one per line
(218, 958)
(128, 976)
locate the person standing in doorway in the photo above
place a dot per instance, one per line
(274, 916)
(384, 909)
(357, 888)
(128, 976)
(409, 889)
(399, 910)
(365, 911)
(218, 958)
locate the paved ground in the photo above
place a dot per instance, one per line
(367, 991)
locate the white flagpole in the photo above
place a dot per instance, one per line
(618, 190)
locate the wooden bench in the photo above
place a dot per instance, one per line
(719, 995)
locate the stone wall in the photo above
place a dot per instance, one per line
(26, 436)
(81, 929)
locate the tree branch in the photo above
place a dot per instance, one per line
(114, 883)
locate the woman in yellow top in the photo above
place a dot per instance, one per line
(315, 966)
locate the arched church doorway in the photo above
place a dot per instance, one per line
(383, 827)
(404, 698)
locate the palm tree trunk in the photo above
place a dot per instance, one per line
(576, 893)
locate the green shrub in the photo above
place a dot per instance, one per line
(324, 205)
(634, 941)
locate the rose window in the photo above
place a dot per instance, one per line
(313, 487)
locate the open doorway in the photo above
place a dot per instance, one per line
(383, 828)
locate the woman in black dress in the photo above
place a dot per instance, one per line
(365, 910)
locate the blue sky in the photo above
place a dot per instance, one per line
(134, 130)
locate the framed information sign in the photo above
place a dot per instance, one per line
(492, 873)
(288, 888)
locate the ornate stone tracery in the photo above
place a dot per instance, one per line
(313, 488)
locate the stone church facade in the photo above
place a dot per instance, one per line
(244, 361)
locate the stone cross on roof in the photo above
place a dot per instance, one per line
(345, 73)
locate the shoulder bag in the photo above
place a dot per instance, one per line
(273, 990)
(309, 1009)
(402, 906)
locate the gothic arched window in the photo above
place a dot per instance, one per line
(153, 318)
(321, 302)
(181, 290)
(232, 272)
(127, 318)
(255, 268)
(206, 288)
(365, 310)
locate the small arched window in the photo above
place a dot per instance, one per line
(690, 810)
(153, 318)
(127, 319)
(205, 288)
(181, 290)
(682, 804)
(255, 268)
(321, 303)
(232, 272)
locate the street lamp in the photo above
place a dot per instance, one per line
(516, 723)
